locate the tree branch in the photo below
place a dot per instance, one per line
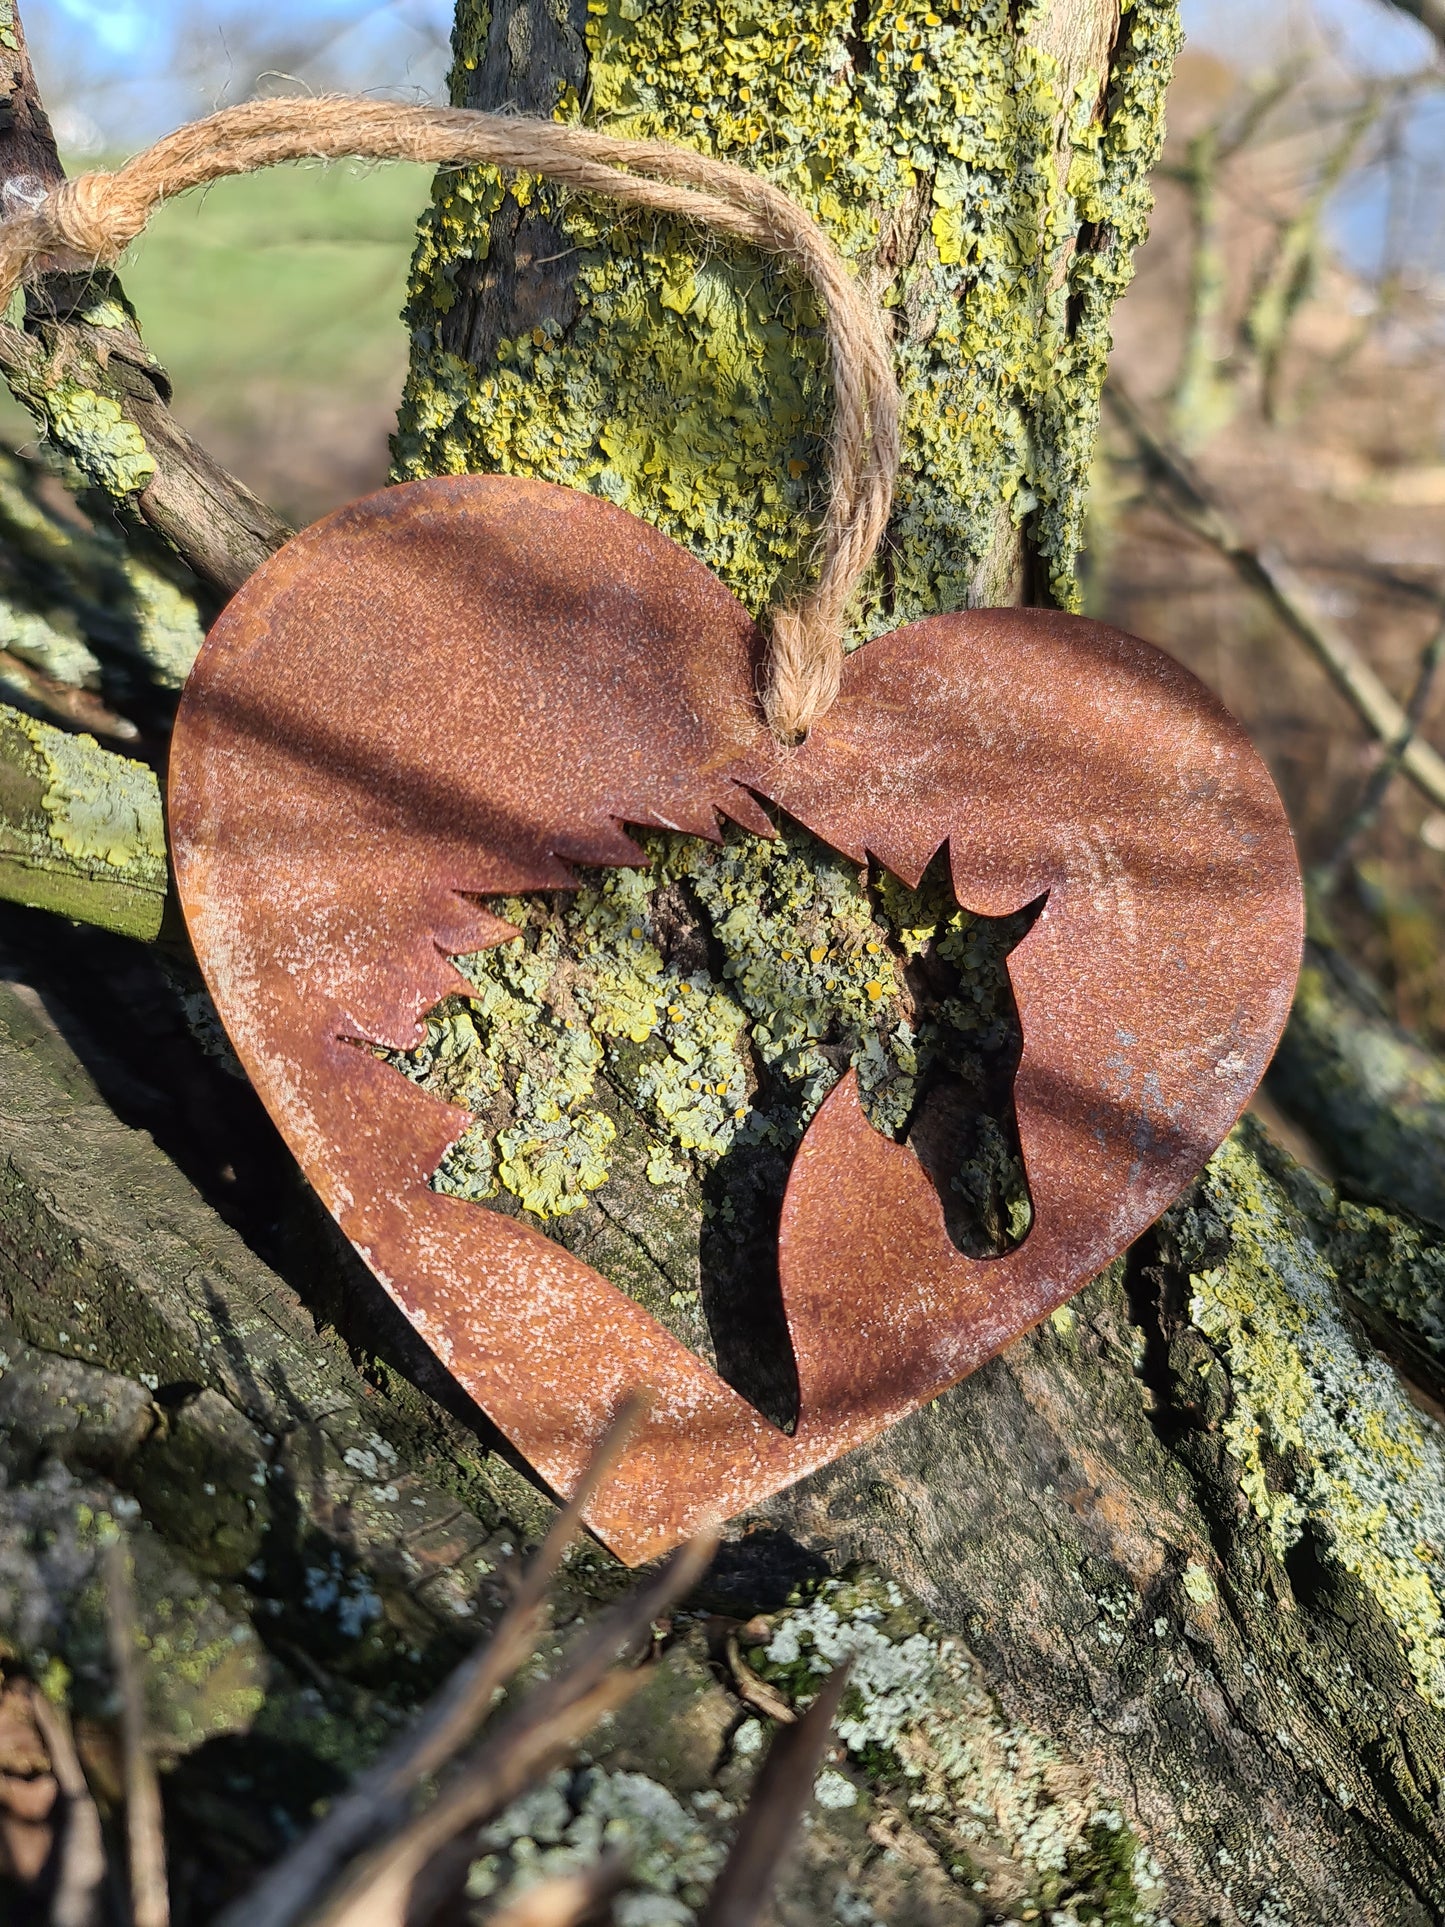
(1183, 495)
(79, 365)
(81, 830)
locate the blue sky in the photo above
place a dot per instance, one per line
(132, 68)
(120, 30)
(1369, 34)
(136, 39)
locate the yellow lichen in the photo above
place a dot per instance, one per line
(808, 982)
(1367, 1470)
(691, 387)
(101, 806)
(91, 429)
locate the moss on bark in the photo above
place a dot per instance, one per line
(80, 829)
(984, 167)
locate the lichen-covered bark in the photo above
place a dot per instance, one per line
(1101, 1514)
(643, 1061)
(1185, 1541)
(986, 169)
(1370, 1096)
(93, 636)
(80, 828)
(987, 172)
(1145, 1627)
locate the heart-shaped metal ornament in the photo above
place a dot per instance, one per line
(461, 688)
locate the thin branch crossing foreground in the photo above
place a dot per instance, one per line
(1184, 496)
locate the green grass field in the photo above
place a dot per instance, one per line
(274, 302)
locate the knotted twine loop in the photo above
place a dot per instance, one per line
(98, 215)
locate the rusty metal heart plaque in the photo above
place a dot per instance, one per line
(462, 688)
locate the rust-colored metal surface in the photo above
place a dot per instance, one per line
(459, 688)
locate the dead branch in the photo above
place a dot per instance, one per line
(145, 1827)
(1182, 494)
(753, 1689)
(380, 1892)
(567, 1899)
(779, 1799)
(375, 1803)
(1327, 874)
(80, 1876)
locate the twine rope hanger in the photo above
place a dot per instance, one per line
(98, 215)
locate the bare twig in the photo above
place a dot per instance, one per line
(779, 1799)
(527, 1744)
(1327, 874)
(567, 1899)
(80, 1876)
(406, 1882)
(144, 1825)
(1181, 492)
(375, 1802)
(753, 1689)
(1206, 387)
(1284, 281)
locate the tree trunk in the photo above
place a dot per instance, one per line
(1147, 1613)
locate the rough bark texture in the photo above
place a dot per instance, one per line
(1148, 1615)
(1153, 1655)
(83, 623)
(984, 168)
(1174, 1468)
(1368, 1094)
(97, 637)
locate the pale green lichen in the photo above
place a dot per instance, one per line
(51, 642)
(166, 630)
(691, 386)
(203, 1671)
(81, 830)
(122, 606)
(1393, 1265)
(720, 994)
(567, 1823)
(1198, 1585)
(106, 313)
(92, 431)
(1377, 1062)
(1323, 1431)
(1372, 1096)
(101, 807)
(1027, 1827)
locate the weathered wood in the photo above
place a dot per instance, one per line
(80, 829)
(1178, 1529)
(1084, 1519)
(1370, 1095)
(99, 638)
